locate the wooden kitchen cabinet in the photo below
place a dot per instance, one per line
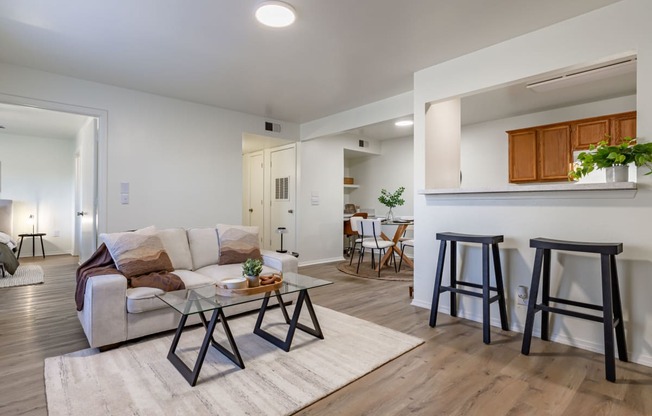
(545, 153)
(523, 156)
(588, 132)
(554, 153)
(623, 125)
(612, 128)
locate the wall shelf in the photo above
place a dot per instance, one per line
(351, 186)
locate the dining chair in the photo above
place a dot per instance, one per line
(405, 243)
(354, 221)
(370, 233)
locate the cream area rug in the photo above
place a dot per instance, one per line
(137, 379)
(28, 274)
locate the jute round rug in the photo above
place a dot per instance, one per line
(386, 273)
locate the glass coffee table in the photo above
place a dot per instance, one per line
(206, 299)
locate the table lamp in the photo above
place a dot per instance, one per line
(281, 230)
(32, 221)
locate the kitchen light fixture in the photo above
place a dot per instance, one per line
(404, 123)
(275, 14)
(584, 75)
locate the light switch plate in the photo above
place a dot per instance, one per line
(124, 199)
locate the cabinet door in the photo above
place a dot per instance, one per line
(590, 132)
(623, 126)
(523, 156)
(554, 153)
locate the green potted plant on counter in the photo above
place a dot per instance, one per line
(391, 200)
(613, 158)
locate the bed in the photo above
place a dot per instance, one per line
(8, 261)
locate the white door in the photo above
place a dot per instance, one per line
(256, 189)
(283, 198)
(85, 192)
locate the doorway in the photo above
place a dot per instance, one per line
(269, 190)
(51, 171)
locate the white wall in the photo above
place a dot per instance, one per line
(587, 38)
(484, 152)
(182, 160)
(319, 227)
(38, 175)
(390, 170)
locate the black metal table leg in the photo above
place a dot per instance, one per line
(192, 375)
(20, 247)
(285, 345)
(498, 272)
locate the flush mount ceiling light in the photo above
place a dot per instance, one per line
(404, 123)
(275, 14)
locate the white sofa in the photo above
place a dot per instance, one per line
(113, 313)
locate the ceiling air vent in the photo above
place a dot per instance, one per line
(275, 127)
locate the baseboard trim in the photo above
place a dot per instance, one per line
(320, 261)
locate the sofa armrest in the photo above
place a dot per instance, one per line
(104, 316)
(285, 263)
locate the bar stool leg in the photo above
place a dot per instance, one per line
(436, 291)
(453, 275)
(486, 306)
(534, 293)
(499, 286)
(609, 359)
(618, 311)
(545, 296)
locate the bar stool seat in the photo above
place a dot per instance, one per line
(487, 241)
(611, 308)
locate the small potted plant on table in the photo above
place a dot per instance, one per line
(251, 269)
(614, 159)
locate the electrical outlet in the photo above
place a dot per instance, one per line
(522, 295)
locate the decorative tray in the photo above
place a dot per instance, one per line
(277, 283)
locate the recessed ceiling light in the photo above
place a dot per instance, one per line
(275, 14)
(404, 123)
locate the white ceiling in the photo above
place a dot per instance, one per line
(28, 121)
(340, 54)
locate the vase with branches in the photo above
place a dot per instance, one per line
(391, 200)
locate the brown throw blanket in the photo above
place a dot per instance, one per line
(101, 263)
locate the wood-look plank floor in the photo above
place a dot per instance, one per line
(453, 373)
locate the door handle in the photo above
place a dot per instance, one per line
(290, 211)
(251, 210)
(81, 213)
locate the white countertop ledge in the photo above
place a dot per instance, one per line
(555, 190)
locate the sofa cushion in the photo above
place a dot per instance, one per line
(193, 280)
(204, 247)
(137, 253)
(237, 243)
(143, 299)
(175, 242)
(221, 272)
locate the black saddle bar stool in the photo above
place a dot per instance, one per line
(487, 300)
(612, 313)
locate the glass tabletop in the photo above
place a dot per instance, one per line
(205, 298)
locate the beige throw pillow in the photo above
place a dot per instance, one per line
(137, 253)
(238, 243)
